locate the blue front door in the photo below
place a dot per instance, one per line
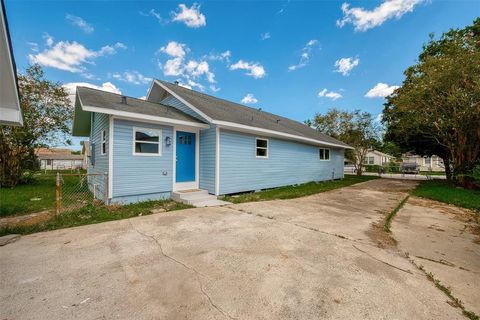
(185, 165)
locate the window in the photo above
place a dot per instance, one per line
(147, 142)
(369, 160)
(427, 161)
(103, 146)
(324, 154)
(262, 148)
(49, 162)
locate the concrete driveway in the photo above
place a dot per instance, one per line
(309, 258)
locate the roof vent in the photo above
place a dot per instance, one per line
(259, 109)
(278, 121)
(124, 100)
(176, 82)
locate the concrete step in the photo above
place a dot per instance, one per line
(198, 198)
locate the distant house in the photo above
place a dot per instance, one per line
(10, 111)
(85, 153)
(378, 158)
(179, 140)
(58, 159)
(433, 163)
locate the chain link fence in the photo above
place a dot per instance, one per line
(77, 190)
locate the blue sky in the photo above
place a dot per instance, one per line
(293, 58)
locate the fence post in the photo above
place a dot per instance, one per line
(58, 195)
(106, 187)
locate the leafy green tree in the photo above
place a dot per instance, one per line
(357, 129)
(437, 108)
(47, 118)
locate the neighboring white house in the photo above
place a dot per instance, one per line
(10, 112)
(433, 163)
(375, 157)
(85, 153)
(59, 159)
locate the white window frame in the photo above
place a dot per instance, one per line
(425, 162)
(103, 142)
(160, 142)
(256, 148)
(329, 152)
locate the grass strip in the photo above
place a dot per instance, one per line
(296, 191)
(393, 213)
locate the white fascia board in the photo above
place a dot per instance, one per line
(273, 133)
(203, 115)
(137, 116)
(11, 117)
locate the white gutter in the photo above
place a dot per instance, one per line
(137, 116)
(250, 129)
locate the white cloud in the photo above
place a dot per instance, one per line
(70, 56)
(79, 22)
(134, 77)
(196, 69)
(305, 55)
(175, 49)
(254, 69)
(71, 88)
(214, 88)
(143, 98)
(345, 65)
(381, 90)
(249, 99)
(192, 16)
(224, 56)
(265, 36)
(189, 71)
(155, 14)
(330, 94)
(48, 39)
(363, 19)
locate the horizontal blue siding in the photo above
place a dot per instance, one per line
(99, 170)
(177, 104)
(288, 163)
(141, 197)
(207, 159)
(139, 175)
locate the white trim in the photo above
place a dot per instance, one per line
(110, 157)
(18, 118)
(329, 153)
(249, 129)
(138, 116)
(177, 186)
(174, 158)
(159, 142)
(263, 148)
(203, 115)
(217, 161)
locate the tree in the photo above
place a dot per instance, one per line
(357, 129)
(437, 108)
(47, 118)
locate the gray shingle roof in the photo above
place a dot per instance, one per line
(107, 100)
(224, 110)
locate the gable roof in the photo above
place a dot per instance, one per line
(94, 100)
(223, 112)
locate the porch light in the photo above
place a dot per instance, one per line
(168, 141)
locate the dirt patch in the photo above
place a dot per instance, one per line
(26, 220)
(379, 236)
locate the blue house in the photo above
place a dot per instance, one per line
(180, 140)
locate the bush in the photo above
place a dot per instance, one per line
(371, 168)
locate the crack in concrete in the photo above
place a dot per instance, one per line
(324, 232)
(292, 224)
(388, 264)
(197, 274)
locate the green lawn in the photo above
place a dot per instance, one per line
(96, 214)
(297, 191)
(445, 192)
(428, 173)
(28, 198)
